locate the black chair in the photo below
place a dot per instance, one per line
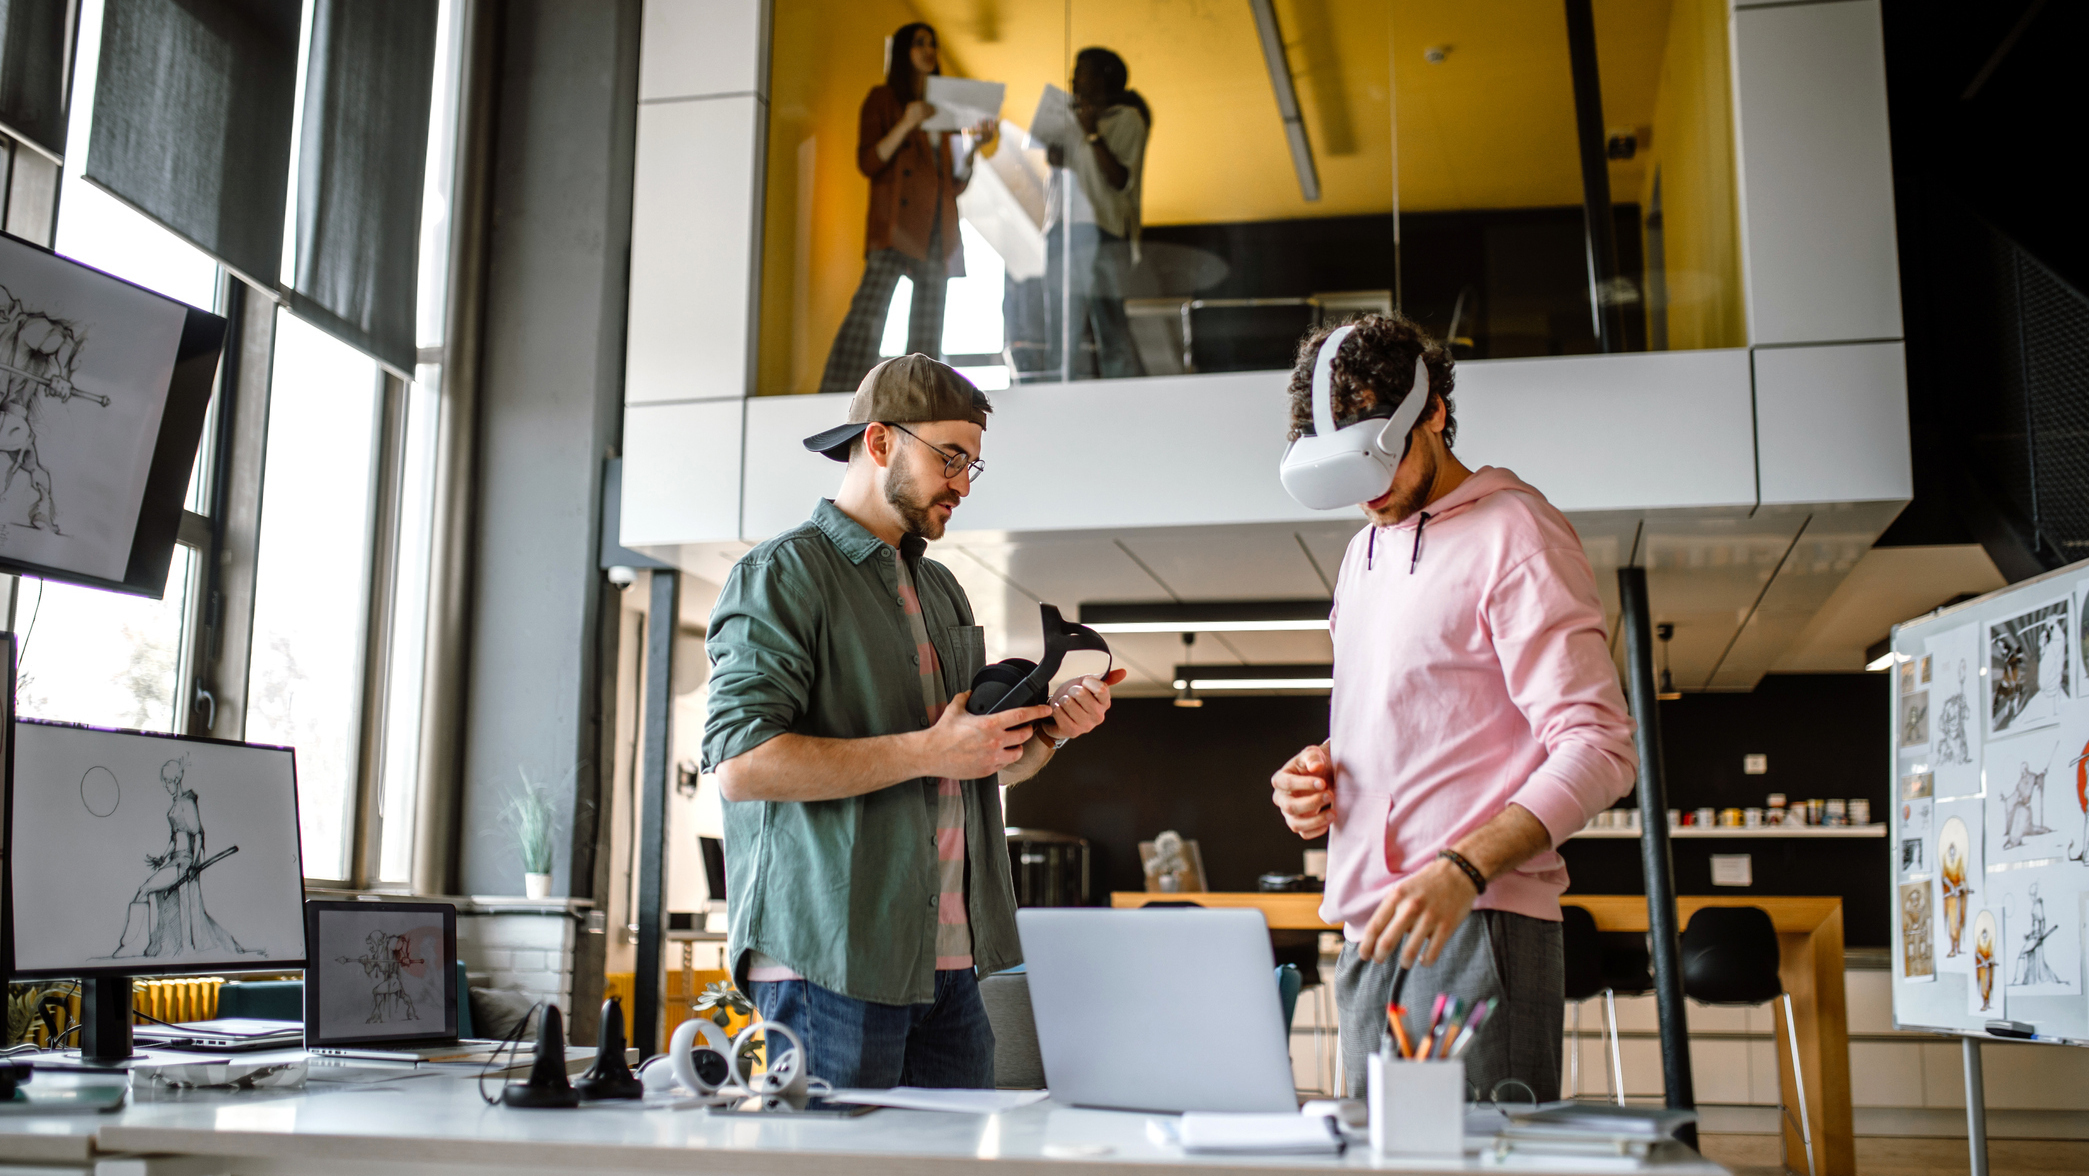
(1601, 965)
(1730, 958)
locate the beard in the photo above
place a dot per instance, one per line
(1406, 501)
(916, 508)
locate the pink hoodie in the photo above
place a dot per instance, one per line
(1471, 670)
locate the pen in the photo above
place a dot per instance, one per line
(1396, 1016)
(1399, 983)
(1453, 1019)
(1435, 1019)
(1472, 1026)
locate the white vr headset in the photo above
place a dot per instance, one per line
(1351, 465)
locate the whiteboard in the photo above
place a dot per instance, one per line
(1989, 861)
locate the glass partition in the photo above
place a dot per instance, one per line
(1169, 187)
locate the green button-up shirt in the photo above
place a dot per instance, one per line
(809, 637)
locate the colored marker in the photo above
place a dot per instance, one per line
(1472, 1027)
(1396, 1016)
(1435, 1019)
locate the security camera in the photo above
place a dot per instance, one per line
(623, 576)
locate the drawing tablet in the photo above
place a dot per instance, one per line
(381, 974)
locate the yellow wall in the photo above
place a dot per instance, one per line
(1693, 144)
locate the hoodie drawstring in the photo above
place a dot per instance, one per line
(1415, 560)
(1371, 547)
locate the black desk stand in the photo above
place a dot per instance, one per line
(105, 1020)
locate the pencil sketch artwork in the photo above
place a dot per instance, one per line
(2028, 669)
(1914, 719)
(1917, 933)
(167, 918)
(1954, 856)
(85, 366)
(1983, 996)
(39, 355)
(385, 960)
(2030, 794)
(2042, 944)
(2032, 965)
(2023, 804)
(1952, 715)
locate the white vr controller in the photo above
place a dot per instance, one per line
(1348, 466)
(706, 1073)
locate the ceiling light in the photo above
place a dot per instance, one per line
(1667, 691)
(1185, 693)
(1215, 616)
(1262, 679)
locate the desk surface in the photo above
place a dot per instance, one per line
(429, 1124)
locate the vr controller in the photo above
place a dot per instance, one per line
(1020, 682)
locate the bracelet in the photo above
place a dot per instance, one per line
(1479, 881)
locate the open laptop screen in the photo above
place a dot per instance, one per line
(380, 972)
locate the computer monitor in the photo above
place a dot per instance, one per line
(382, 973)
(132, 853)
(103, 391)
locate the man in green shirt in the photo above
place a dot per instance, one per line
(864, 852)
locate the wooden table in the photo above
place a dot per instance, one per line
(1809, 938)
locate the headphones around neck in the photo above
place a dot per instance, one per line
(1354, 464)
(1019, 682)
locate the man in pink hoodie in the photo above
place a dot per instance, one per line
(1476, 722)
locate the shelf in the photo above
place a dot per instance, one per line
(1723, 832)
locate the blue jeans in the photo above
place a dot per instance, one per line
(944, 1043)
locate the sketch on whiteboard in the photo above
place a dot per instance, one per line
(39, 356)
(2028, 669)
(1981, 996)
(166, 918)
(2023, 804)
(1954, 854)
(2032, 966)
(385, 960)
(1917, 933)
(1952, 715)
(1914, 719)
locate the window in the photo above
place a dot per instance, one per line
(305, 685)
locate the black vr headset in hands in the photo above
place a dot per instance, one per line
(1019, 682)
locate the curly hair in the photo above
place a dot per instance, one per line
(1376, 360)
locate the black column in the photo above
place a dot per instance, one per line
(105, 1019)
(663, 616)
(1653, 839)
(1595, 175)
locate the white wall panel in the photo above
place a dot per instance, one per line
(681, 473)
(692, 250)
(1614, 432)
(701, 47)
(1816, 173)
(1832, 423)
(784, 479)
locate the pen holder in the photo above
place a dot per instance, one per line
(1417, 1108)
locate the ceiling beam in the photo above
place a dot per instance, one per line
(1287, 98)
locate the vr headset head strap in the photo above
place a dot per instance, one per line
(1323, 381)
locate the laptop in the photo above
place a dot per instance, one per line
(1158, 1010)
(222, 1035)
(381, 983)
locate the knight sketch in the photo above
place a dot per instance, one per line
(385, 959)
(39, 356)
(2031, 965)
(166, 917)
(1952, 744)
(2018, 822)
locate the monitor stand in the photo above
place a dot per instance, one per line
(105, 1020)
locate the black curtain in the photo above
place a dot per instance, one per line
(33, 73)
(360, 165)
(192, 115)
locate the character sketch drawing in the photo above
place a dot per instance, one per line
(2031, 965)
(386, 959)
(2028, 666)
(2018, 822)
(166, 918)
(1952, 745)
(39, 356)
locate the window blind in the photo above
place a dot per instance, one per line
(192, 114)
(33, 45)
(360, 162)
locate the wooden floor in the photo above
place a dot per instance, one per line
(1756, 1155)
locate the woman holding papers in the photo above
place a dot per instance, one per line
(915, 177)
(1106, 154)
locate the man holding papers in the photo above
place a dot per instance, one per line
(915, 176)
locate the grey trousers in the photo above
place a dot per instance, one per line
(1513, 958)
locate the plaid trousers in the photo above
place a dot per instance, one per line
(856, 343)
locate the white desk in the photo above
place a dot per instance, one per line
(437, 1126)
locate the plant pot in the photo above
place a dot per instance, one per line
(536, 885)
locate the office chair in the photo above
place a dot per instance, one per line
(1730, 958)
(1606, 966)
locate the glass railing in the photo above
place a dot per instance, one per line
(1166, 188)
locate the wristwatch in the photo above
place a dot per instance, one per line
(1058, 743)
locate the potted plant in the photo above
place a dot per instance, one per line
(531, 817)
(726, 1004)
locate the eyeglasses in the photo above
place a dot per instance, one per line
(952, 462)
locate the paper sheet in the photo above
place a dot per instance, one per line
(1054, 124)
(2041, 952)
(1961, 882)
(963, 1102)
(1954, 719)
(961, 102)
(2030, 667)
